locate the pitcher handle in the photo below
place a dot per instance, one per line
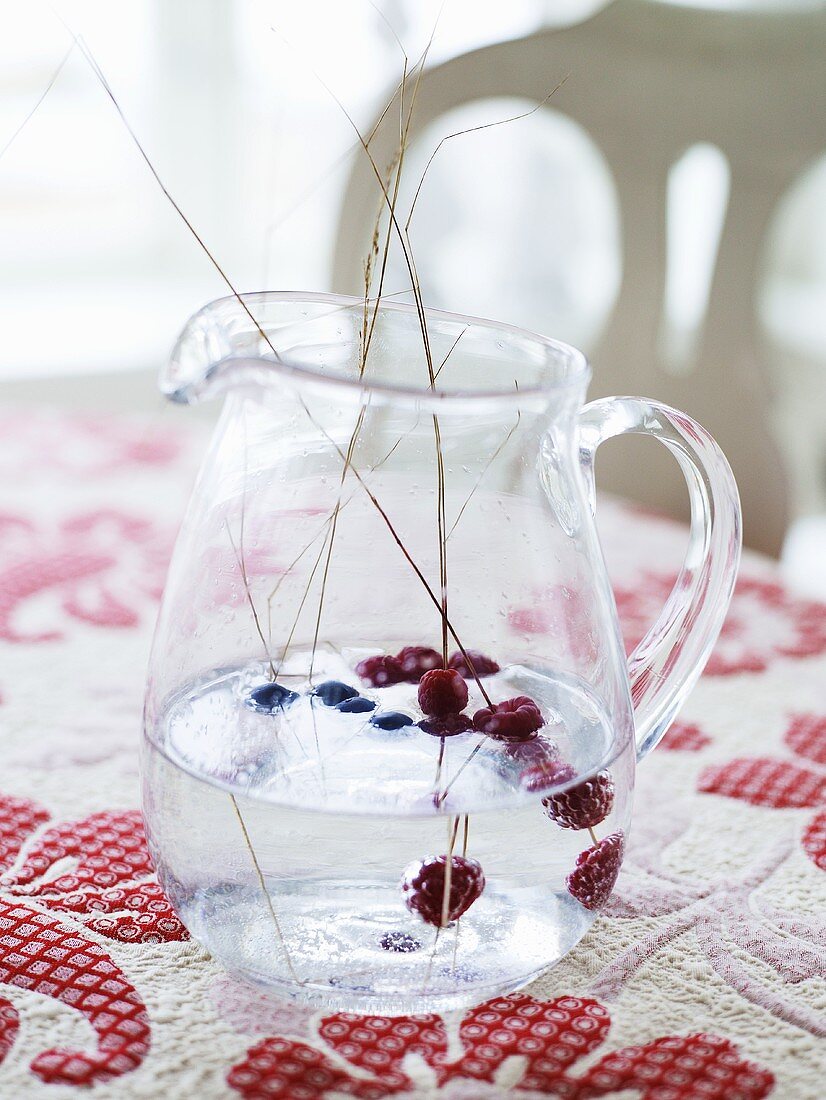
(668, 661)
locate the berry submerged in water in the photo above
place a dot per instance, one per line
(401, 942)
(582, 806)
(481, 665)
(416, 660)
(357, 705)
(380, 671)
(442, 691)
(597, 868)
(332, 692)
(512, 720)
(423, 887)
(270, 698)
(542, 768)
(391, 720)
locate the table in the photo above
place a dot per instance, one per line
(703, 977)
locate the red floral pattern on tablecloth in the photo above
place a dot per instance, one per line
(764, 622)
(549, 1036)
(99, 562)
(684, 737)
(44, 956)
(44, 444)
(104, 567)
(724, 909)
(782, 784)
(108, 887)
(108, 891)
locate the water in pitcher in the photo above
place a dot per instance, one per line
(291, 843)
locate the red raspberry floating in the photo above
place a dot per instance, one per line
(513, 720)
(582, 806)
(380, 671)
(416, 660)
(423, 887)
(482, 665)
(593, 879)
(448, 726)
(442, 691)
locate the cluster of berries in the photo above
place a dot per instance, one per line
(443, 693)
(272, 697)
(443, 696)
(410, 664)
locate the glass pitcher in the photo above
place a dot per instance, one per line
(368, 783)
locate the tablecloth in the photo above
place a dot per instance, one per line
(704, 976)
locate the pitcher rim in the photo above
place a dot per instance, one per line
(577, 367)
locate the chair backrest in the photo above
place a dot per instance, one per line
(653, 80)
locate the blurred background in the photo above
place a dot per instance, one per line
(690, 268)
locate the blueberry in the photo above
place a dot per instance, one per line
(401, 942)
(268, 698)
(391, 720)
(356, 705)
(333, 692)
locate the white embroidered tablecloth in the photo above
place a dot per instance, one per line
(704, 977)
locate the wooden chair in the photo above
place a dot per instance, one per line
(651, 81)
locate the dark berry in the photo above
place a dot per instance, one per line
(269, 698)
(582, 806)
(512, 720)
(423, 887)
(448, 726)
(416, 660)
(332, 692)
(597, 868)
(356, 705)
(380, 671)
(400, 941)
(482, 665)
(442, 691)
(391, 720)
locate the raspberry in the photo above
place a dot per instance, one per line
(582, 806)
(400, 941)
(416, 660)
(380, 671)
(442, 691)
(593, 879)
(423, 887)
(269, 698)
(513, 720)
(448, 726)
(482, 665)
(332, 692)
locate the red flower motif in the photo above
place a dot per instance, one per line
(102, 568)
(764, 622)
(105, 887)
(684, 737)
(814, 841)
(764, 782)
(43, 956)
(90, 445)
(549, 1036)
(108, 887)
(781, 784)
